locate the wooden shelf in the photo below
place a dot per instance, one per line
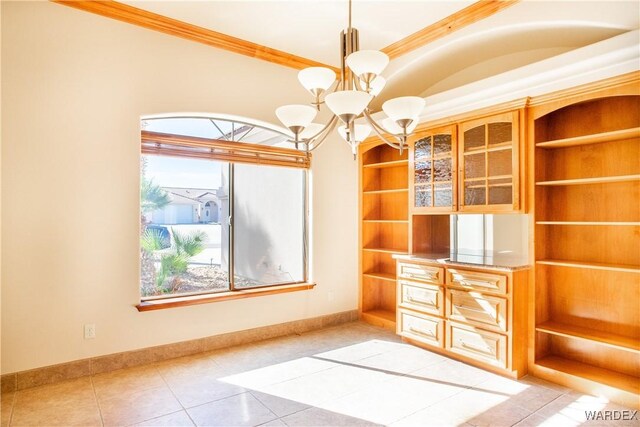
(386, 221)
(611, 340)
(381, 276)
(623, 223)
(392, 164)
(600, 375)
(616, 135)
(386, 250)
(599, 180)
(585, 242)
(392, 191)
(591, 265)
(383, 230)
(385, 318)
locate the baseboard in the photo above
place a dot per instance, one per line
(99, 364)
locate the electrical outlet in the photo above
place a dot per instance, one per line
(89, 331)
(330, 296)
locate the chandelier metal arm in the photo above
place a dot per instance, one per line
(337, 85)
(356, 83)
(402, 139)
(330, 124)
(380, 130)
(319, 139)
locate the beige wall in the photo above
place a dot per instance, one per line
(73, 88)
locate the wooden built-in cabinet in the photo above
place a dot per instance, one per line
(477, 315)
(384, 229)
(583, 199)
(471, 166)
(585, 172)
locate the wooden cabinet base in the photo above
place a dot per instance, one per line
(514, 374)
(483, 321)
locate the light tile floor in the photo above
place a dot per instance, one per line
(349, 375)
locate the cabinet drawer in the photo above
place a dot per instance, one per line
(421, 327)
(475, 308)
(421, 272)
(484, 346)
(479, 281)
(421, 297)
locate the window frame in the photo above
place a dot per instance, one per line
(230, 152)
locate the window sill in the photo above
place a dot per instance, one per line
(161, 304)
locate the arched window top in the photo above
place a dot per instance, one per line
(223, 127)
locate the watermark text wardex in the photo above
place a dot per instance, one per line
(613, 415)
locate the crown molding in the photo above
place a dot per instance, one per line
(491, 110)
(588, 88)
(153, 21)
(464, 17)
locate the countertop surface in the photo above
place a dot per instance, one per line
(496, 260)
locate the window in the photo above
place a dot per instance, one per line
(216, 217)
(269, 222)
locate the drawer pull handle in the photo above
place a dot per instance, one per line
(468, 307)
(419, 332)
(419, 276)
(462, 306)
(477, 283)
(474, 348)
(421, 301)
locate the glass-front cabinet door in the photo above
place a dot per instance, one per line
(489, 170)
(432, 169)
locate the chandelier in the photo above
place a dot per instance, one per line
(348, 98)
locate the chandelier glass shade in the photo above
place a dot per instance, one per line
(392, 127)
(296, 116)
(311, 130)
(362, 132)
(355, 133)
(367, 64)
(314, 78)
(360, 81)
(348, 104)
(376, 86)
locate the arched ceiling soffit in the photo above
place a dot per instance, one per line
(463, 60)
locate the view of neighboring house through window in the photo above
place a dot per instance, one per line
(185, 211)
(210, 226)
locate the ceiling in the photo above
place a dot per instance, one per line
(528, 31)
(308, 28)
